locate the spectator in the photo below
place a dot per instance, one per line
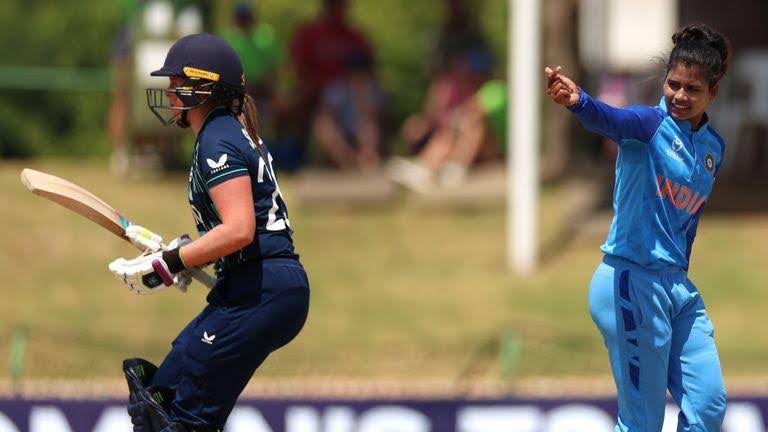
(477, 132)
(321, 52)
(347, 124)
(322, 48)
(460, 61)
(445, 94)
(459, 35)
(452, 129)
(256, 44)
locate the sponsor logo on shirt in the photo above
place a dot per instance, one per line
(681, 196)
(208, 339)
(219, 165)
(677, 144)
(674, 155)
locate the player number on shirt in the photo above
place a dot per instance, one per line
(196, 214)
(274, 223)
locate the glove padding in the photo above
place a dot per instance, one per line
(144, 239)
(150, 242)
(146, 274)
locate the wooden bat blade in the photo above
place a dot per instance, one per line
(85, 203)
(75, 198)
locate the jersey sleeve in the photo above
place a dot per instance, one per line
(222, 160)
(635, 122)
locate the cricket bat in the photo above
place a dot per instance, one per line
(84, 203)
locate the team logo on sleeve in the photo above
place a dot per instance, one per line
(218, 165)
(709, 162)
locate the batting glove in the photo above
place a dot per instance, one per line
(150, 273)
(144, 239)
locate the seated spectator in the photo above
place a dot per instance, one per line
(459, 61)
(459, 34)
(347, 123)
(321, 51)
(444, 95)
(476, 132)
(322, 48)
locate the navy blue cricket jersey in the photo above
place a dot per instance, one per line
(224, 151)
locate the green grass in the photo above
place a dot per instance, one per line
(398, 291)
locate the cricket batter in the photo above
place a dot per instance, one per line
(652, 318)
(261, 297)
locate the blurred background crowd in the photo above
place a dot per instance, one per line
(319, 87)
(415, 92)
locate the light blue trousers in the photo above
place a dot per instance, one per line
(659, 337)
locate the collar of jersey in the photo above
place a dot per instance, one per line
(215, 112)
(685, 125)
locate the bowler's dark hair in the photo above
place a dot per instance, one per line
(702, 47)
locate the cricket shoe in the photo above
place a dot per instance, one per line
(411, 174)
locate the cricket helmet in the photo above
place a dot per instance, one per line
(211, 70)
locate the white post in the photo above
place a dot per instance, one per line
(525, 89)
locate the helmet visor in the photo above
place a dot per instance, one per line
(160, 105)
(159, 100)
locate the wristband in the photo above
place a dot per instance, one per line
(172, 258)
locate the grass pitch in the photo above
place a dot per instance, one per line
(398, 290)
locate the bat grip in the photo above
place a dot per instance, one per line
(204, 278)
(197, 273)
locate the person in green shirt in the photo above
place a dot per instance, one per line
(256, 44)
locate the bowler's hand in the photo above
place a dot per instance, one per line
(561, 89)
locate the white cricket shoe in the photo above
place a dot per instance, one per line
(410, 174)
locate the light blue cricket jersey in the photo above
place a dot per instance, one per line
(664, 176)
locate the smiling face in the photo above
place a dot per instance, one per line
(687, 94)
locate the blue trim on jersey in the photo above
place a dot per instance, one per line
(664, 175)
(243, 170)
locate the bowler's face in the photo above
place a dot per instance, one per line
(687, 93)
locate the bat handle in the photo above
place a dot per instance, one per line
(204, 278)
(197, 273)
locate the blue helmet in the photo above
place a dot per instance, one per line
(212, 72)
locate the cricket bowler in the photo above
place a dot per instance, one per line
(652, 318)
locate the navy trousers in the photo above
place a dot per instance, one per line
(253, 310)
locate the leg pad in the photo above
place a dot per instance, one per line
(146, 403)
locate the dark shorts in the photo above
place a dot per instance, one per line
(254, 310)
